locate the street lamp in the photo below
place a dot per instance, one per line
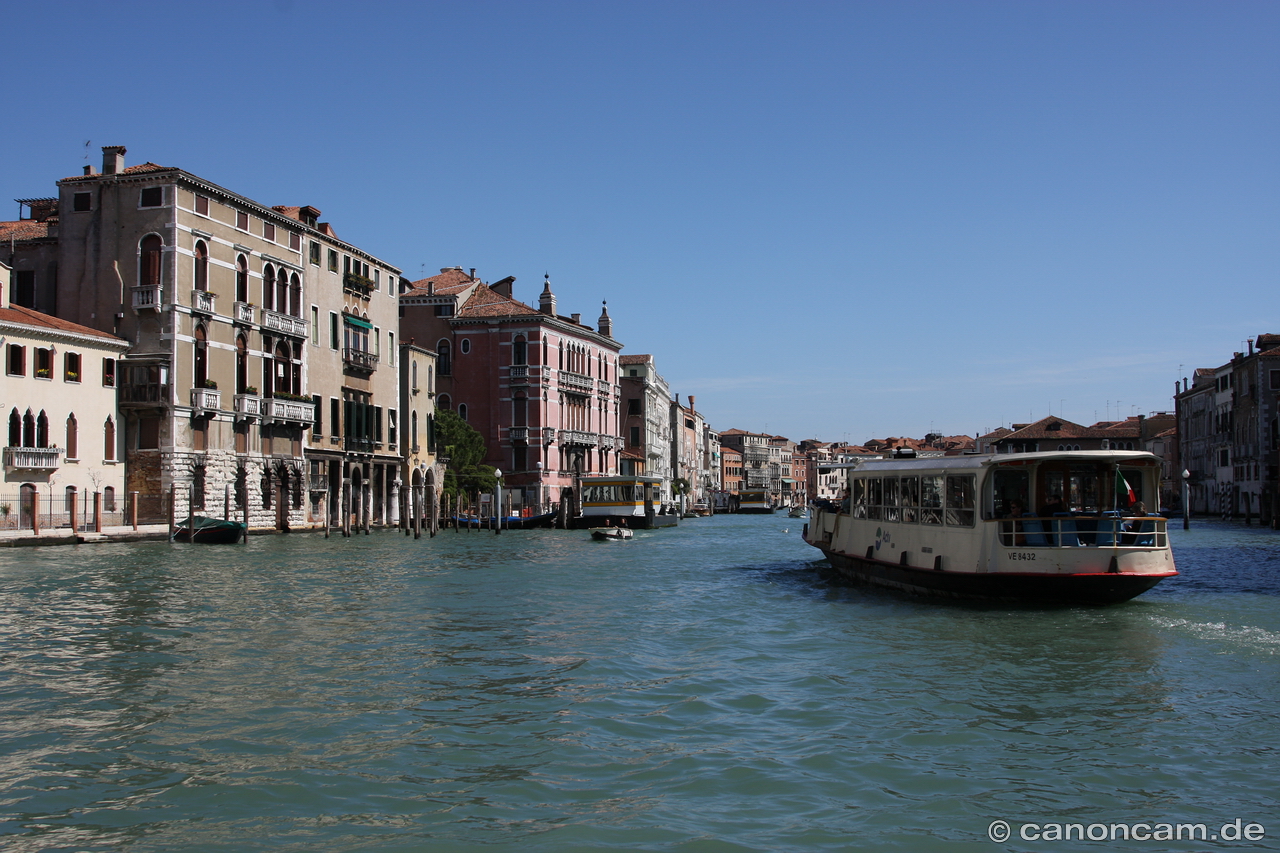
(1186, 499)
(497, 504)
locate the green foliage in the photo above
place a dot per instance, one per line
(464, 447)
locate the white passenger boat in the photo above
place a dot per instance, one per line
(622, 501)
(966, 526)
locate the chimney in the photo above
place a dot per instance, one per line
(577, 318)
(1250, 346)
(113, 159)
(692, 400)
(503, 288)
(605, 323)
(88, 170)
(547, 301)
(473, 273)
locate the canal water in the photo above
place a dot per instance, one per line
(696, 689)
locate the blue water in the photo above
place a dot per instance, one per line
(696, 689)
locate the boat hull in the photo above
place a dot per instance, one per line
(1084, 588)
(211, 531)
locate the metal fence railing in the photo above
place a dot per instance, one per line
(36, 510)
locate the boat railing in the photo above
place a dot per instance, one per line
(1063, 530)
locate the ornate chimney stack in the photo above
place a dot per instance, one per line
(605, 324)
(547, 301)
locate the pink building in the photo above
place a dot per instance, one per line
(541, 388)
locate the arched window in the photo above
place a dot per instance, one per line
(73, 437)
(202, 266)
(109, 499)
(202, 357)
(282, 291)
(69, 501)
(242, 364)
(413, 372)
(444, 402)
(109, 440)
(42, 430)
(462, 411)
(413, 430)
(520, 350)
(442, 358)
(15, 428)
(295, 295)
(150, 251)
(464, 346)
(242, 279)
(268, 287)
(282, 372)
(29, 429)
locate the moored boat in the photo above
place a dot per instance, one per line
(604, 534)
(622, 500)
(963, 527)
(210, 531)
(754, 501)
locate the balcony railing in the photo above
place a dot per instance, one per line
(284, 323)
(144, 394)
(604, 387)
(548, 434)
(518, 433)
(359, 359)
(148, 297)
(243, 312)
(206, 398)
(577, 381)
(318, 482)
(31, 458)
(359, 445)
(290, 410)
(202, 300)
(576, 436)
(519, 371)
(606, 441)
(249, 405)
(357, 284)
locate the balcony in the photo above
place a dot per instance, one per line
(605, 388)
(548, 435)
(318, 483)
(290, 410)
(518, 433)
(206, 398)
(358, 445)
(358, 359)
(243, 312)
(32, 458)
(519, 374)
(575, 436)
(606, 441)
(576, 382)
(284, 323)
(202, 301)
(357, 284)
(144, 394)
(149, 297)
(249, 405)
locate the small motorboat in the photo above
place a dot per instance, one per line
(798, 512)
(606, 533)
(210, 531)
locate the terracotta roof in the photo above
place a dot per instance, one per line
(1051, 428)
(484, 302)
(635, 359)
(132, 170)
(25, 229)
(449, 281)
(28, 317)
(291, 212)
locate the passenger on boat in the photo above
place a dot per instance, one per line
(1053, 506)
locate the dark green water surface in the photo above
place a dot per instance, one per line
(696, 689)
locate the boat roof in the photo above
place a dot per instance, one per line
(974, 461)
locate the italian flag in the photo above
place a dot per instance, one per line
(1123, 488)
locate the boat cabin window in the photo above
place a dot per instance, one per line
(875, 497)
(1010, 486)
(891, 512)
(858, 495)
(931, 499)
(960, 500)
(909, 498)
(613, 493)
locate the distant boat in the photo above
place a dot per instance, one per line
(797, 512)
(210, 531)
(510, 522)
(603, 534)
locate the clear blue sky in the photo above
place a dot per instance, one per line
(836, 220)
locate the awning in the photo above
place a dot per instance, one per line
(356, 321)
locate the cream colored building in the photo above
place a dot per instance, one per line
(250, 327)
(421, 474)
(58, 392)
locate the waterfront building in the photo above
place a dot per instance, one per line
(1228, 421)
(541, 388)
(64, 440)
(692, 453)
(646, 425)
(761, 460)
(730, 476)
(244, 321)
(422, 474)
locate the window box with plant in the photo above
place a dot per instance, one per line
(42, 373)
(211, 384)
(72, 376)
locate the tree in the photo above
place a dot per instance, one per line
(463, 446)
